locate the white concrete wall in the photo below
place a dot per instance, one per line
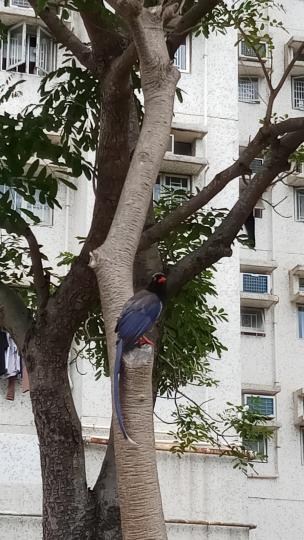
(196, 487)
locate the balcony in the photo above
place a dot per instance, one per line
(181, 157)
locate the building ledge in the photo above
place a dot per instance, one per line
(295, 179)
(297, 271)
(260, 389)
(249, 67)
(292, 46)
(11, 15)
(298, 298)
(179, 164)
(258, 267)
(189, 132)
(264, 300)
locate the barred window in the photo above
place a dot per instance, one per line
(248, 89)
(181, 57)
(298, 93)
(260, 404)
(20, 3)
(299, 204)
(252, 320)
(255, 283)
(247, 50)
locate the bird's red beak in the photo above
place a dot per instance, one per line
(162, 279)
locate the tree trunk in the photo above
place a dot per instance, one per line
(139, 495)
(108, 526)
(68, 505)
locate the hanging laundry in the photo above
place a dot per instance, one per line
(3, 349)
(12, 358)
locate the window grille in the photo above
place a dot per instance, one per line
(259, 446)
(180, 57)
(300, 204)
(301, 321)
(252, 320)
(248, 51)
(260, 404)
(298, 93)
(248, 89)
(255, 283)
(21, 3)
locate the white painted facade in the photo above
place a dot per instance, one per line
(196, 487)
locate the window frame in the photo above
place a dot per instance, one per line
(253, 80)
(259, 458)
(246, 330)
(297, 218)
(251, 57)
(12, 5)
(293, 101)
(300, 309)
(9, 66)
(15, 197)
(187, 46)
(262, 396)
(162, 177)
(27, 32)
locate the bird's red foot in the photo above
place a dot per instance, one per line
(143, 340)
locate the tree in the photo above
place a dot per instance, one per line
(138, 40)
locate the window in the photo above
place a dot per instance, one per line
(42, 211)
(250, 52)
(28, 49)
(301, 284)
(256, 165)
(260, 404)
(301, 321)
(171, 182)
(298, 93)
(258, 213)
(252, 321)
(249, 89)
(20, 3)
(259, 447)
(299, 204)
(255, 283)
(181, 57)
(183, 148)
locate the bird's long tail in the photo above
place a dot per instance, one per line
(117, 368)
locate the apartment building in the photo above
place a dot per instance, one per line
(262, 290)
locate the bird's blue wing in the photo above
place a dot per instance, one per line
(138, 315)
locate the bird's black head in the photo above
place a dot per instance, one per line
(158, 285)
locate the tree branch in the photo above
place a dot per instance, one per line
(218, 245)
(65, 36)
(40, 280)
(14, 315)
(160, 230)
(187, 21)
